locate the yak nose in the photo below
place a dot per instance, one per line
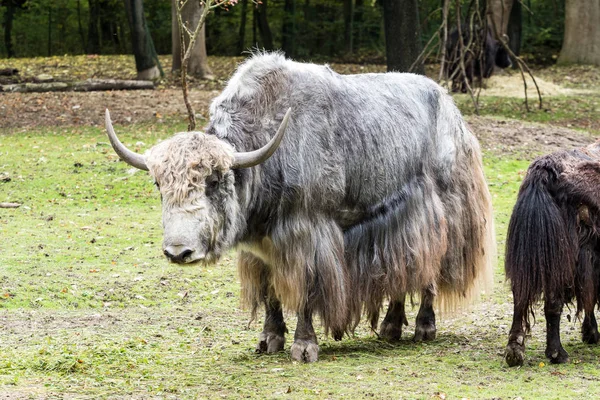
(178, 254)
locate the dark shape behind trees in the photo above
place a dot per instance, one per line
(260, 16)
(515, 27)
(402, 35)
(288, 28)
(11, 8)
(242, 32)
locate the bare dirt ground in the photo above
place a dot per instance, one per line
(511, 137)
(33, 110)
(22, 111)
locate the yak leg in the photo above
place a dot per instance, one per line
(589, 328)
(272, 338)
(391, 327)
(305, 347)
(554, 350)
(515, 350)
(425, 326)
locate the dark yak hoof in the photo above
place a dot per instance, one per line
(390, 332)
(270, 343)
(338, 335)
(424, 333)
(305, 350)
(557, 356)
(515, 352)
(590, 336)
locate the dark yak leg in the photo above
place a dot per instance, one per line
(272, 338)
(391, 327)
(425, 326)
(515, 349)
(305, 347)
(589, 328)
(554, 350)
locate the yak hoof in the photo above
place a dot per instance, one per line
(305, 350)
(390, 331)
(590, 336)
(270, 343)
(557, 356)
(424, 333)
(515, 354)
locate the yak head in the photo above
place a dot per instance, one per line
(194, 172)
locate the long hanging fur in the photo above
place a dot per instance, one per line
(539, 248)
(377, 191)
(553, 234)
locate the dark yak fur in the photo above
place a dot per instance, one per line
(553, 247)
(483, 54)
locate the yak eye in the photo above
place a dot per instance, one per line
(212, 182)
(157, 185)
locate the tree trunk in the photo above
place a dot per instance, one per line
(93, 44)
(81, 86)
(9, 17)
(402, 35)
(109, 38)
(581, 44)
(242, 32)
(348, 26)
(358, 23)
(141, 41)
(198, 63)
(288, 27)
(515, 28)
(80, 26)
(50, 31)
(263, 25)
(499, 14)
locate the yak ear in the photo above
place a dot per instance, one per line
(130, 157)
(252, 158)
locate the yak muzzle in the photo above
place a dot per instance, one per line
(182, 254)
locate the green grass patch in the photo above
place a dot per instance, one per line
(575, 112)
(89, 307)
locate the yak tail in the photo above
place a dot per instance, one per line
(539, 252)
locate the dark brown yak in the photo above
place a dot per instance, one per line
(553, 247)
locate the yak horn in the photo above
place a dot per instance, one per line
(130, 157)
(252, 158)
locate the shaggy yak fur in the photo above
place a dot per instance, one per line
(376, 192)
(553, 247)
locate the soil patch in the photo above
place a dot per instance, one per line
(511, 137)
(30, 110)
(505, 85)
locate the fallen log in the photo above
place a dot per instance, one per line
(9, 71)
(81, 86)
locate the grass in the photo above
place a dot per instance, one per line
(579, 112)
(89, 308)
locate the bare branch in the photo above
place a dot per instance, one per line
(520, 63)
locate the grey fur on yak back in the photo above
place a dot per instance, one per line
(376, 190)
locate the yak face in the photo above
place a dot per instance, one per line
(193, 171)
(199, 203)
